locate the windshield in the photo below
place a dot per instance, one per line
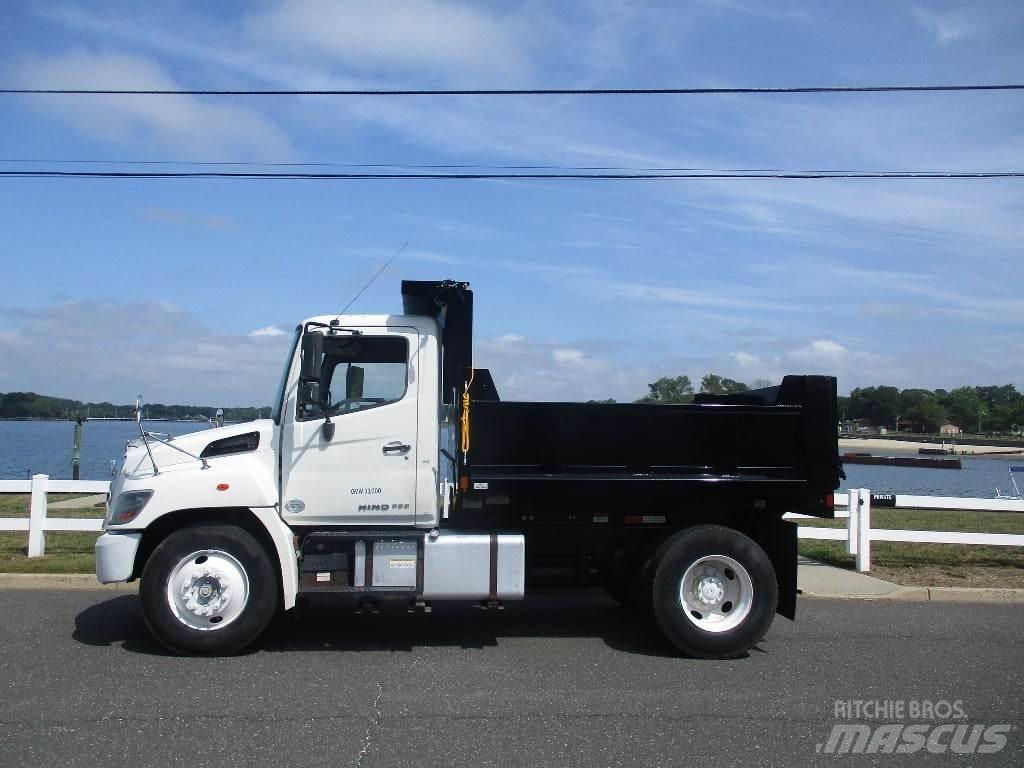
(275, 413)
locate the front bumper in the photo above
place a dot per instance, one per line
(115, 556)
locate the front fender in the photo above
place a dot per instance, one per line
(242, 480)
(284, 546)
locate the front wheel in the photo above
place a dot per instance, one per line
(714, 591)
(208, 589)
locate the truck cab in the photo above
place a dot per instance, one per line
(360, 431)
(391, 470)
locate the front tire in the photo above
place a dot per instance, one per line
(209, 590)
(714, 592)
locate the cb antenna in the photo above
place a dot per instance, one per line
(375, 276)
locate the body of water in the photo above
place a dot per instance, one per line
(44, 447)
(979, 477)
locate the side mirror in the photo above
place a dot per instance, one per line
(312, 356)
(354, 378)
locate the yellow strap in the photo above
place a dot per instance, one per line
(465, 413)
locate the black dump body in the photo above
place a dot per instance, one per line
(597, 488)
(766, 452)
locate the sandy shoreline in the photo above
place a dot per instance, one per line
(879, 445)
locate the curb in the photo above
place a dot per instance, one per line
(62, 581)
(931, 594)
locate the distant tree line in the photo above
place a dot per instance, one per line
(29, 405)
(992, 409)
(972, 409)
(679, 389)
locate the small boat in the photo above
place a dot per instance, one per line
(1013, 481)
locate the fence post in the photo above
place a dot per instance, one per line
(853, 507)
(37, 516)
(864, 532)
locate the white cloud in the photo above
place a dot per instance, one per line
(270, 330)
(409, 254)
(725, 298)
(187, 125)
(422, 36)
(820, 350)
(746, 360)
(575, 358)
(527, 369)
(106, 350)
(947, 26)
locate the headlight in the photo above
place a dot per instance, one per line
(128, 506)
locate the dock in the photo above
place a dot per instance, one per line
(902, 461)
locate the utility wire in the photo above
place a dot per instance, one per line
(712, 176)
(326, 164)
(452, 166)
(512, 91)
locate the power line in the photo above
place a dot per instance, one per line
(558, 176)
(329, 164)
(454, 166)
(514, 91)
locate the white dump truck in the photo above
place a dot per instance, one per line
(391, 470)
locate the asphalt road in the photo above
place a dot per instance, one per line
(556, 681)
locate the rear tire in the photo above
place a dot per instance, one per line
(713, 591)
(208, 590)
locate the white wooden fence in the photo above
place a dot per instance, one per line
(37, 523)
(855, 507)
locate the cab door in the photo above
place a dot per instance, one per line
(365, 472)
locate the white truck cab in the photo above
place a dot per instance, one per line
(380, 383)
(354, 444)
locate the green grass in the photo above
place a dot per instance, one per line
(933, 520)
(932, 564)
(16, 505)
(65, 552)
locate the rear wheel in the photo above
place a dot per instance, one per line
(713, 592)
(208, 589)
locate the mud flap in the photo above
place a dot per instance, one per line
(780, 543)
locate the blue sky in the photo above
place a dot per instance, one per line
(183, 289)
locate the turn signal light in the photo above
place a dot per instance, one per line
(222, 486)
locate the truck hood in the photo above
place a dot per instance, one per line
(137, 463)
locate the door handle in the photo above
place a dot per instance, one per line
(396, 447)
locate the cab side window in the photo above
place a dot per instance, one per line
(360, 372)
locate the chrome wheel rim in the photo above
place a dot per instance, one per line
(716, 593)
(208, 589)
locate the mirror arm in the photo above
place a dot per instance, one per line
(145, 435)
